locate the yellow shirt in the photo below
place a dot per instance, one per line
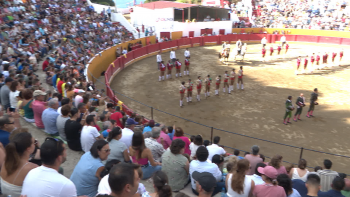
(63, 90)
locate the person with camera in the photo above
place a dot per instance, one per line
(289, 109)
(313, 99)
(300, 104)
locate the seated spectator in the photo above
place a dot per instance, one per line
(7, 125)
(270, 187)
(164, 139)
(313, 183)
(86, 174)
(198, 141)
(149, 127)
(61, 121)
(218, 160)
(89, 134)
(103, 186)
(179, 134)
(231, 165)
(346, 190)
(253, 159)
(26, 105)
(202, 165)
(16, 165)
(49, 117)
(285, 182)
(236, 153)
(160, 184)
(72, 130)
(256, 177)
(215, 149)
(109, 110)
(301, 172)
(64, 101)
(14, 94)
(38, 106)
(143, 156)
(119, 151)
(155, 147)
(205, 183)
(175, 165)
(327, 175)
(45, 180)
(101, 121)
(238, 183)
(171, 132)
(276, 162)
(128, 132)
(338, 185)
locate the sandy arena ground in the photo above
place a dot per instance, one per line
(257, 110)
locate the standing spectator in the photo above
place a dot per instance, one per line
(285, 182)
(5, 93)
(327, 175)
(119, 150)
(215, 149)
(26, 105)
(128, 132)
(149, 127)
(238, 183)
(38, 106)
(270, 188)
(49, 117)
(117, 116)
(256, 177)
(7, 125)
(14, 94)
(198, 141)
(313, 184)
(202, 165)
(61, 121)
(276, 162)
(253, 159)
(175, 165)
(164, 139)
(16, 165)
(86, 174)
(89, 134)
(155, 147)
(300, 172)
(179, 134)
(72, 130)
(143, 156)
(205, 183)
(45, 180)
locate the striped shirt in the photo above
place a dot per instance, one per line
(326, 177)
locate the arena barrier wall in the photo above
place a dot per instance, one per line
(101, 63)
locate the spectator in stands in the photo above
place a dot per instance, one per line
(198, 141)
(202, 165)
(256, 177)
(205, 183)
(82, 111)
(313, 184)
(338, 185)
(164, 137)
(117, 116)
(86, 174)
(301, 172)
(171, 132)
(270, 187)
(253, 159)
(285, 182)
(72, 130)
(276, 162)
(61, 121)
(124, 180)
(26, 105)
(179, 134)
(236, 153)
(49, 117)
(327, 175)
(128, 132)
(14, 94)
(238, 183)
(161, 185)
(215, 148)
(156, 148)
(16, 165)
(45, 180)
(8, 123)
(149, 127)
(231, 164)
(78, 98)
(346, 190)
(218, 160)
(89, 134)
(119, 151)
(103, 186)
(64, 101)
(5, 93)
(143, 156)
(176, 166)
(38, 106)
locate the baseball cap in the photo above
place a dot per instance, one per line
(131, 121)
(205, 179)
(268, 171)
(8, 79)
(38, 93)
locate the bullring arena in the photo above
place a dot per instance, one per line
(257, 110)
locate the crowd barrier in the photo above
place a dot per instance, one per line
(149, 50)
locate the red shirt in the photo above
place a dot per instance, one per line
(279, 48)
(298, 61)
(162, 67)
(187, 62)
(271, 49)
(312, 58)
(263, 51)
(334, 54)
(170, 66)
(341, 54)
(287, 46)
(45, 64)
(117, 116)
(59, 86)
(317, 58)
(305, 62)
(178, 65)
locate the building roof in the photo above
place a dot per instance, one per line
(165, 4)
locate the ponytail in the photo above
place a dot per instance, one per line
(114, 133)
(164, 191)
(12, 159)
(160, 181)
(238, 177)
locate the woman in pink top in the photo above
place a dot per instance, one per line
(270, 187)
(38, 106)
(276, 162)
(179, 134)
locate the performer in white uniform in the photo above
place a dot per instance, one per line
(173, 55)
(159, 59)
(187, 54)
(263, 41)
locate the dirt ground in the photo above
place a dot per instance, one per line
(257, 110)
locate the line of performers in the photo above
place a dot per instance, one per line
(315, 61)
(207, 82)
(272, 50)
(170, 65)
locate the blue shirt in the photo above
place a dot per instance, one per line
(4, 137)
(330, 193)
(147, 129)
(299, 185)
(49, 118)
(171, 135)
(54, 79)
(83, 175)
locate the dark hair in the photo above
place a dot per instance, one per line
(289, 97)
(236, 152)
(27, 94)
(216, 140)
(338, 183)
(302, 164)
(257, 166)
(206, 143)
(138, 143)
(97, 146)
(65, 109)
(110, 105)
(327, 163)
(73, 111)
(91, 109)
(317, 168)
(50, 150)
(65, 101)
(15, 149)
(170, 129)
(114, 133)
(276, 161)
(121, 175)
(179, 132)
(237, 182)
(198, 140)
(13, 86)
(89, 119)
(202, 153)
(176, 146)
(285, 182)
(342, 175)
(109, 165)
(80, 105)
(192, 138)
(102, 117)
(313, 179)
(262, 157)
(160, 181)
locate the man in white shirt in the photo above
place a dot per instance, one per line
(128, 132)
(124, 51)
(187, 54)
(89, 133)
(202, 165)
(214, 149)
(283, 40)
(263, 41)
(78, 98)
(173, 55)
(45, 180)
(159, 59)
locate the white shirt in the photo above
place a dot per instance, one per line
(47, 182)
(215, 149)
(88, 137)
(283, 39)
(62, 66)
(127, 136)
(247, 185)
(78, 99)
(172, 55)
(103, 186)
(263, 41)
(124, 51)
(13, 98)
(59, 110)
(205, 166)
(187, 53)
(159, 58)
